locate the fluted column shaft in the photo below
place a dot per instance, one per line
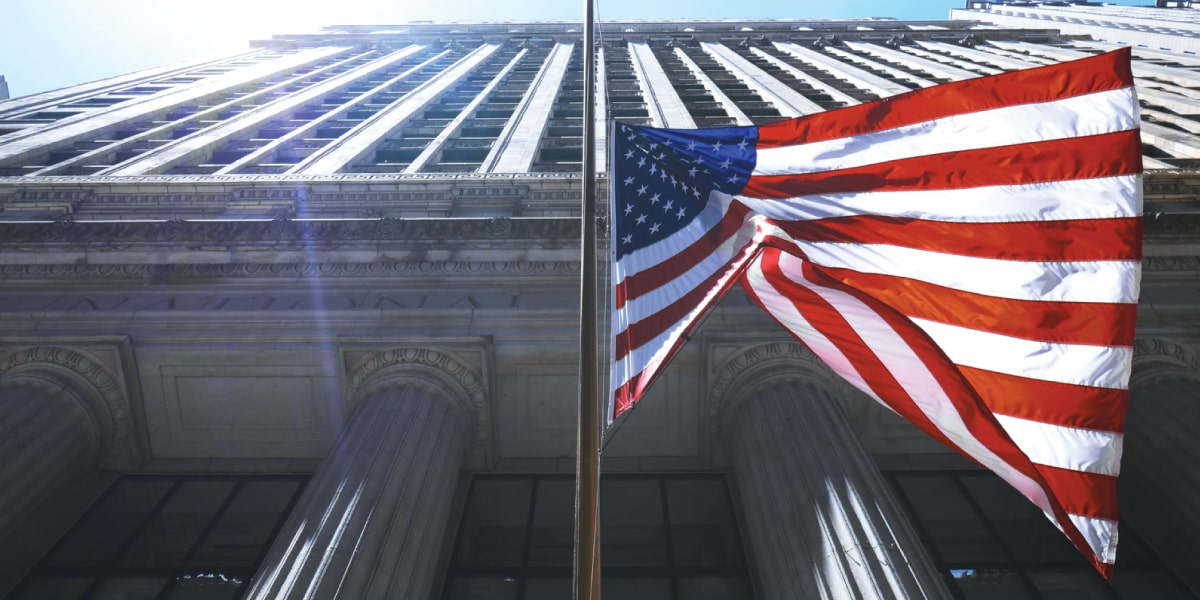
(49, 449)
(1160, 468)
(821, 520)
(371, 520)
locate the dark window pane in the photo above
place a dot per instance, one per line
(547, 588)
(1022, 527)
(173, 531)
(635, 588)
(990, 584)
(631, 523)
(552, 542)
(956, 531)
(241, 534)
(130, 588)
(100, 535)
(210, 587)
(702, 530)
(714, 588)
(1070, 585)
(53, 588)
(494, 532)
(1131, 551)
(481, 588)
(1136, 585)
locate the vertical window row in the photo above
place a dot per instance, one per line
(113, 146)
(339, 112)
(864, 51)
(827, 77)
(561, 146)
(819, 96)
(757, 109)
(705, 109)
(872, 66)
(625, 101)
(464, 151)
(48, 114)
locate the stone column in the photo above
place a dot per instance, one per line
(48, 441)
(821, 520)
(371, 522)
(63, 419)
(1160, 467)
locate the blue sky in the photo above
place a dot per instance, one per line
(48, 44)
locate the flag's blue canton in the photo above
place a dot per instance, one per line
(662, 177)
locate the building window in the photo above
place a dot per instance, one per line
(991, 543)
(167, 538)
(662, 537)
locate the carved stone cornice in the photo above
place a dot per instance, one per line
(1162, 224)
(389, 270)
(1169, 264)
(461, 381)
(1158, 358)
(286, 231)
(101, 390)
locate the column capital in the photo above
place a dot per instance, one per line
(93, 381)
(1155, 358)
(756, 365)
(451, 372)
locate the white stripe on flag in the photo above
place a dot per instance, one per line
(900, 361)
(1064, 281)
(1100, 534)
(1099, 198)
(1091, 114)
(1079, 364)
(1071, 448)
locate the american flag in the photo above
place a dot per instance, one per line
(968, 255)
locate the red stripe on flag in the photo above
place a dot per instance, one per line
(1090, 239)
(1049, 401)
(826, 319)
(1104, 155)
(654, 325)
(1091, 323)
(1086, 494)
(978, 421)
(1099, 73)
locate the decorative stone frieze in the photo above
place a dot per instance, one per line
(386, 270)
(282, 231)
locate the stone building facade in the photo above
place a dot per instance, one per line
(354, 255)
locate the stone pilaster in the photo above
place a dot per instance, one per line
(1159, 468)
(822, 522)
(371, 521)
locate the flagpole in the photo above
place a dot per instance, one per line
(587, 449)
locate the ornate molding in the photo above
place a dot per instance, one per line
(390, 270)
(462, 382)
(1158, 358)
(102, 392)
(1169, 224)
(560, 231)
